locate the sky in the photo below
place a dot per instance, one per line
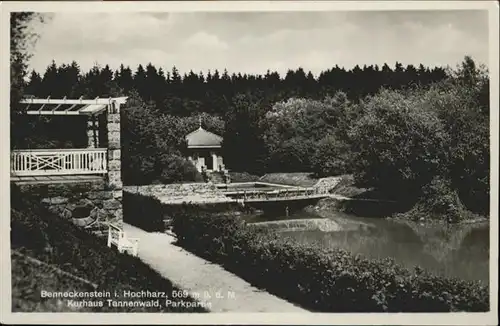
(253, 42)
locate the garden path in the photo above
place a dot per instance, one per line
(198, 276)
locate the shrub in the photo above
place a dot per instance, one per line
(438, 199)
(324, 280)
(176, 168)
(150, 214)
(143, 211)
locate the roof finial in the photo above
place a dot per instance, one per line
(199, 122)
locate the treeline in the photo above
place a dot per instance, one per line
(241, 101)
(183, 94)
(415, 135)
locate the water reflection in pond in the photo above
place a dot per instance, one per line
(456, 251)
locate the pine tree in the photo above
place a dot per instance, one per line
(50, 81)
(124, 79)
(34, 84)
(140, 81)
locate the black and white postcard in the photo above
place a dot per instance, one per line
(250, 162)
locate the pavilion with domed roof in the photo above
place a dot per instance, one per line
(204, 150)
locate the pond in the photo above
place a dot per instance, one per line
(453, 251)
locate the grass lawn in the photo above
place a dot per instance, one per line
(243, 177)
(302, 179)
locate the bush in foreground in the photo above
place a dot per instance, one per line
(37, 233)
(325, 280)
(149, 214)
(143, 211)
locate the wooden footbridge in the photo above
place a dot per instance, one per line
(276, 195)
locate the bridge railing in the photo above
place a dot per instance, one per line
(276, 194)
(44, 162)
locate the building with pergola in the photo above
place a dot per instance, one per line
(80, 184)
(204, 150)
(92, 160)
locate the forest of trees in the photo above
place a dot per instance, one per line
(184, 94)
(407, 131)
(239, 101)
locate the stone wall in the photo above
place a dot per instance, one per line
(91, 205)
(325, 185)
(181, 193)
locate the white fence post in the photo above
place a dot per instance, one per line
(109, 236)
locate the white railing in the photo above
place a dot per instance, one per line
(277, 194)
(39, 162)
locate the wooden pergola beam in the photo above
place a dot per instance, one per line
(58, 105)
(47, 102)
(71, 107)
(89, 107)
(54, 113)
(107, 101)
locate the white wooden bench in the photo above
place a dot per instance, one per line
(118, 238)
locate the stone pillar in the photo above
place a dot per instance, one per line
(221, 163)
(114, 181)
(214, 162)
(92, 132)
(114, 151)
